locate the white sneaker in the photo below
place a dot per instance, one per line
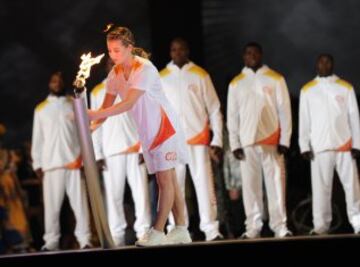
(179, 235)
(52, 247)
(250, 235)
(152, 238)
(87, 246)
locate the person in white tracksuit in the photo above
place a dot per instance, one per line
(329, 136)
(56, 160)
(191, 92)
(260, 126)
(117, 143)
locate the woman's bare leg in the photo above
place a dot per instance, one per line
(166, 197)
(178, 209)
(170, 198)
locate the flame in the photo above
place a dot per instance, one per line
(85, 67)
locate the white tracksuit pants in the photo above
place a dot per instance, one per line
(263, 161)
(55, 184)
(203, 179)
(118, 168)
(322, 173)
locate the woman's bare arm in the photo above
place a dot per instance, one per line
(125, 105)
(108, 102)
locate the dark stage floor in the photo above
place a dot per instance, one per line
(298, 249)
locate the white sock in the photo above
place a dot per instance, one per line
(157, 231)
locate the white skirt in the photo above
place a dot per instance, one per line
(171, 153)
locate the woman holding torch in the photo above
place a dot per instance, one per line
(137, 81)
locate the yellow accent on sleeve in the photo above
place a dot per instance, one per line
(273, 74)
(237, 78)
(199, 71)
(98, 88)
(308, 85)
(165, 72)
(41, 105)
(344, 83)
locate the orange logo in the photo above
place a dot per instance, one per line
(340, 99)
(193, 87)
(170, 156)
(268, 90)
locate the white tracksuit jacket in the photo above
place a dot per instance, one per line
(55, 142)
(328, 116)
(258, 109)
(193, 96)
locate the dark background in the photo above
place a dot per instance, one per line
(39, 37)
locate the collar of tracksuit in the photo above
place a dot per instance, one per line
(249, 71)
(53, 98)
(328, 79)
(174, 67)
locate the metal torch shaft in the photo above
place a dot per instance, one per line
(91, 173)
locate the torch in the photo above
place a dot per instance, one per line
(87, 150)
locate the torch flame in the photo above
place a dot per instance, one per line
(85, 67)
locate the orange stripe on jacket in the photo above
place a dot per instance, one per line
(132, 149)
(118, 68)
(273, 139)
(202, 138)
(345, 147)
(76, 164)
(165, 132)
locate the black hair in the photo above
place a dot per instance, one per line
(327, 55)
(254, 44)
(181, 41)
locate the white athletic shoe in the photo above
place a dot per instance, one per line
(179, 235)
(51, 247)
(152, 238)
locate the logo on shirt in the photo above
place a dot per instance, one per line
(170, 156)
(268, 90)
(193, 87)
(340, 99)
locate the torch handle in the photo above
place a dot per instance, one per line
(92, 173)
